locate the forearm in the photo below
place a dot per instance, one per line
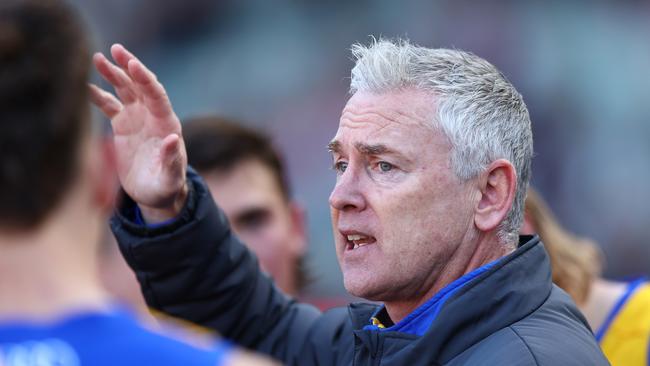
(190, 266)
(195, 269)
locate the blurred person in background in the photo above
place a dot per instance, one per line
(618, 312)
(118, 279)
(57, 187)
(247, 178)
(432, 159)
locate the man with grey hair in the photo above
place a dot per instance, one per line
(432, 157)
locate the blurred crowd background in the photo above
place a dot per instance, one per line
(283, 65)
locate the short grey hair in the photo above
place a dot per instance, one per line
(480, 112)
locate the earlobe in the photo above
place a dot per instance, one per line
(497, 189)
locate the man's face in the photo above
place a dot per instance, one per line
(398, 210)
(261, 217)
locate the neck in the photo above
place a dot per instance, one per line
(603, 295)
(52, 270)
(468, 256)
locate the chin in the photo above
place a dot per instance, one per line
(362, 289)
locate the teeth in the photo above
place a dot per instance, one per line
(356, 245)
(356, 237)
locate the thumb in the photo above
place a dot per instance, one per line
(173, 160)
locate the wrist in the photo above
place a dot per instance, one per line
(154, 215)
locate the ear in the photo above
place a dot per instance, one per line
(497, 185)
(104, 174)
(299, 229)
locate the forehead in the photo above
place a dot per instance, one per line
(405, 106)
(403, 117)
(249, 183)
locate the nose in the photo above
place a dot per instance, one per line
(347, 194)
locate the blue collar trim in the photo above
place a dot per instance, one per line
(419, 321)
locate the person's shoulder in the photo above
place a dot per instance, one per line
(500, 348)
(643, 294)
(556, 333)
(167, 343)
(523, 345)
(119, 338)
(107, 338)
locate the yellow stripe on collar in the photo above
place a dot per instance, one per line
(377, 323)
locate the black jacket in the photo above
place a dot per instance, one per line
(197, 270)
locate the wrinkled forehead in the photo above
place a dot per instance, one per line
(407, 105)
(397, 114)
(393, 122)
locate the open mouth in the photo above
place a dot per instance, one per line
(356, 241)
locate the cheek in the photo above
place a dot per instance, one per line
(268, 246)
(418, 220)
(264, 241)
(338, 245)
(334, 217)
(400, 212)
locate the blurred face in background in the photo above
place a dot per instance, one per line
(262, 218)
(117, 277)
(398, 210)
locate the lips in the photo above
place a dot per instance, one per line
(355, 239)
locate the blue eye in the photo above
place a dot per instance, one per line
(384, 166)
(340, 166)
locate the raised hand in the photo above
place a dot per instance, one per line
(151, 156)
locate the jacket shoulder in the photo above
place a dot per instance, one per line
(558, 333)
(501, 348)
(554, 334)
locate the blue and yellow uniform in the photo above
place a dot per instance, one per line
(625, 335)
(101, 339)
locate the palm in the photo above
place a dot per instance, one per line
(138, 146)
(151, 157)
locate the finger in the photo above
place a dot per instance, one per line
(105, 101)
(170, 148)
(172, 158)
(154, 94)
(116, 77)
(122, 56)
(151, 90)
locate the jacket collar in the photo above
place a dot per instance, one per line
(509, 290)
(420, 320)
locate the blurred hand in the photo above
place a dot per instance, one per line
(151, 156)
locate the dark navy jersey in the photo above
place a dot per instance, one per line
(99, 339)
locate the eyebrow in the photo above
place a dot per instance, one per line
(366, 149)
(376, 149)
(334, 146)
